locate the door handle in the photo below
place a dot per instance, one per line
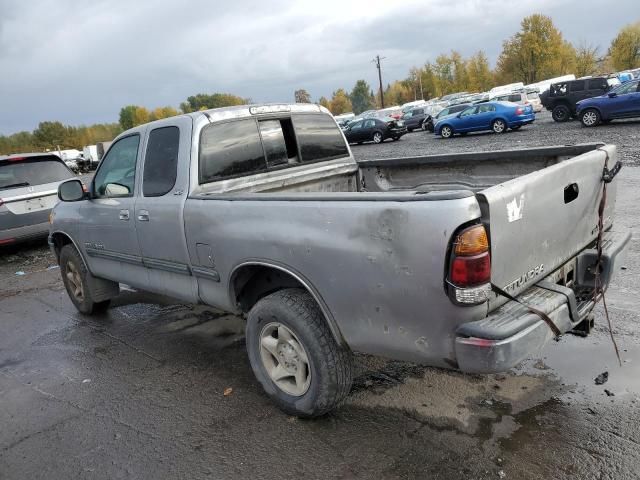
(143, 216)
(124, 215)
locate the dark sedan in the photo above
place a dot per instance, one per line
(374, 130)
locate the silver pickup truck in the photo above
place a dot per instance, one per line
(262, 211)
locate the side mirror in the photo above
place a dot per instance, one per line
(612, 94)
(71, 191)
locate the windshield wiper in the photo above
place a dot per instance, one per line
(15, 185)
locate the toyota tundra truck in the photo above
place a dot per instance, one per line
(262, 211)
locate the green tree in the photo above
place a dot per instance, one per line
(397, 93)
(302, 96)
(203, 101)
(538, 51)
(50, 135)
(361, 97)
(586, 60)
(126, 116)
(340, 102)
(624, 51)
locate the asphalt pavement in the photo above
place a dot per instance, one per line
(140, 391)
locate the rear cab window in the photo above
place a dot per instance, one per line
(25, 172)
(161, 161)
(255, 145)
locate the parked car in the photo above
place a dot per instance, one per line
(28, 191)
(445, 112)
(621, 102)
(416, 118)
(522, 98)
(494, 116)
(374, 130)
(392, 112)
(561, 98)
(326, 256)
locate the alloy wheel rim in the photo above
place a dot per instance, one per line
(75, 281)
(589, 118)
(498, 127)
(285, 359)
(446, 132)
(377, 137)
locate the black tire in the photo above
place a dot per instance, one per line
(409, 129)
(70, 263)
(590, 117)
(561, 113)
(377, 137)
(330, 365)
(423, 126)
(499, 126)
(395, 139)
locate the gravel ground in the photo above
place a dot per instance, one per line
(543, 132)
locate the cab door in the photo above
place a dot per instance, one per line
(108, 227)
(158, 210)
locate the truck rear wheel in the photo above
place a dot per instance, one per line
(295, 357)
(76, 280)
(561, 113)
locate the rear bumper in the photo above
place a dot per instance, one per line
(512, 333)
(23, 234)
(522, 120)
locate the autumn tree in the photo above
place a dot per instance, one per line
(398, 93)
(586, 59)
(203, 101)
(479, 75)
(162, 112)
(361, 97)
(340, 102)
(624, 52)
(538, 51)
(324, 102)
(302, 96)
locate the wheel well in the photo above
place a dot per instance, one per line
(60, 240)
(559, 103)
(250, 283)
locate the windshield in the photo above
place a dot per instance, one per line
(24, 173)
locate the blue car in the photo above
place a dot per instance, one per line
(495, 116)
(622, 101)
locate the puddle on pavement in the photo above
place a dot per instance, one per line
(577, 361)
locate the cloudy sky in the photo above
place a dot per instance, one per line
(80, 61)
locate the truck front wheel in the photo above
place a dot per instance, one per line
(76, 280)
(295, 357)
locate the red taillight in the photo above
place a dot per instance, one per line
(519, 111)
(7, 241)
(16, 159)
(471, 271)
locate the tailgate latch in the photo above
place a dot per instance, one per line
(608, 175)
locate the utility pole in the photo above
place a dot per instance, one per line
(420, 78)
(377, 62)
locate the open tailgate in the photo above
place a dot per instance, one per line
(536, 222)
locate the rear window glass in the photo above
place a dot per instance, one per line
(161, 161)
(597, 84)
(25, 173)
(230, 149)
(319, 138)
(515, 97)
(532, 95)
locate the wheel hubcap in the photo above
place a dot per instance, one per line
(285, 359)
(75, 282)
(589, 118)
(446, 132)
(498, 127)
(377, 137)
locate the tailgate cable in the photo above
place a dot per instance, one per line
(607, 177)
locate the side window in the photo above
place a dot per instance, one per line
(369, 124)
(356, 126)
(419, 111)
(486, 108)
(319, 138)
(469, 111)
(515, 98)
(577, 86)
(161, 162)
(278, 141)
(597, 84)
(230, 149)
(116, 176)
